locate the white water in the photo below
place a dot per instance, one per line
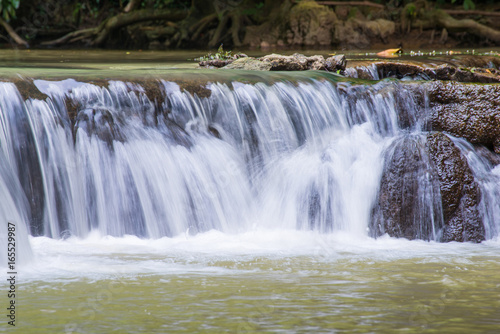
(217, 253)
(290, 158)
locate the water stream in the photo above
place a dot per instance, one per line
(246, 208)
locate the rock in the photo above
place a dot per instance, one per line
(101, 123)
(347, 34)
(264, 45)
(407, 201)
(357, 33)
(379, 28)
(468, 111)
(221, 62)
(460, 194)
(249, 64)
(215, 62)
(427, 186)
(465, 69)
(310, 24)
(295, 62)
(336, 63)
(299, 62)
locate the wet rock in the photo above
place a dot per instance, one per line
(99, 122)
(460, 194)
(462, 69)
(470, 111)
(427, 187)
(408, 199)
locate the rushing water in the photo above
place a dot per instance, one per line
(245, 209)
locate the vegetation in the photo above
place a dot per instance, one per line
(199, 24)
(219, 55)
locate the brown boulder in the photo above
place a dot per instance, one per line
(470, 111)
(460, 194)
(407, 203)
(427, 187)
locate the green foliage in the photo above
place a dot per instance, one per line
(8, 9)
(221, 54)
(253, 10)
(352, 13)
(468, 4)
(411, 10)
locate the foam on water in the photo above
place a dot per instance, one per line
(218, 253)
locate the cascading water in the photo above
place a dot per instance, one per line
(306, 155)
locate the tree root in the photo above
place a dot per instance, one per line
(440, 19)
(12, 33)
(197, 28)
(217, 35)
(470, 12)
(99, 35)
(235, 29)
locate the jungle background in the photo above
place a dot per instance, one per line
(198, 24)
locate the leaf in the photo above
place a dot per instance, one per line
(469, 4)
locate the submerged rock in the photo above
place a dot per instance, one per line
(99, 122)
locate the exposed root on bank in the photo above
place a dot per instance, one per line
(12, 33)
(100, 34)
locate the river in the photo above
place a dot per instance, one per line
(152, 197)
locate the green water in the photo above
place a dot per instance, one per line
(457, 291)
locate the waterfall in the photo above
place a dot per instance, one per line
(304, 154)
